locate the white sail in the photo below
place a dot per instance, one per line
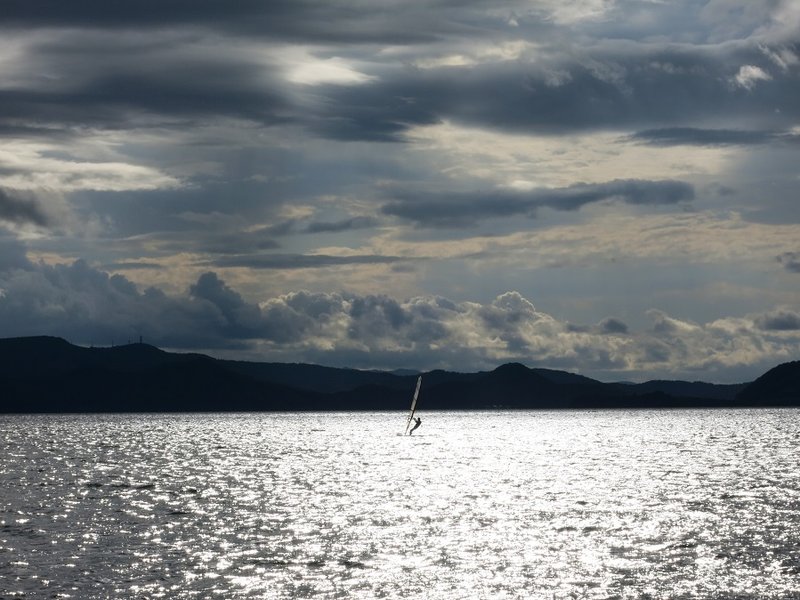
(414, 403)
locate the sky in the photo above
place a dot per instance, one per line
(609, 187)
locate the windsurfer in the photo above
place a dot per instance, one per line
(417, 424)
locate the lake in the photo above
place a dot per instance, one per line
(498, 504)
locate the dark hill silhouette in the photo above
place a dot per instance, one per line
(509, 386)
(779, 385)
(564, 377)
(34, 356)
(196, 384)
(689, 389)
(48, 374)
(317, 378)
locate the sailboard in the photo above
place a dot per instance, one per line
(414, 403)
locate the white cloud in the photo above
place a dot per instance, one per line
(520, 159)
(36, 166)
(783, 57)
(477, 53)
(749, 75)
(304, 68)
(577, 11)
(701, 237)
(377, 331)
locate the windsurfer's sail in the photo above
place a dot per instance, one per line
(414, 403)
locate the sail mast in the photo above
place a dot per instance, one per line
(414, 403)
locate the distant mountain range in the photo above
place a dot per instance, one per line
(48, 374)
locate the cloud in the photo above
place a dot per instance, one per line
(779, 320)
(86, 305)
(749, 75)
(782, 56)
(13, 254)
(344, 225)
(790, 261)
(300, 21)
(237, 318)
(103, 82)
(90, 306)
(613, 326)
(675, 136)
(132, 266)
(300, 261)
(665, 325)
(163, 140)
(19, 210)
(615, 85)
(461, 209)
(257, 61)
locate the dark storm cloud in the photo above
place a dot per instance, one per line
(30, 131)
(467, 208)
(779, 320)
(616, 85)
(199, 210)
(20, 210)
(199, 241)
(458, 209)
(234, 242)
(612, 325)
(344, 225)
(132, 266)
(387, 309)
(294, 20)
(13, 254)
(608, 326)
(376, 113)
(196, 220)
(300, 261)
(238, 318)
(172, 68)
(790, 261)
(95, 307)
(704, 137)
(657, 352)
(109, 83)
(125, 13)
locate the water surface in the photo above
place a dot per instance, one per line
(570, 504)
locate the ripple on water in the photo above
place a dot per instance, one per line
(579, 504)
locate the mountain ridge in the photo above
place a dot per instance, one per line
(48, 374)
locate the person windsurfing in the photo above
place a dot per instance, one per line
(417, 424)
